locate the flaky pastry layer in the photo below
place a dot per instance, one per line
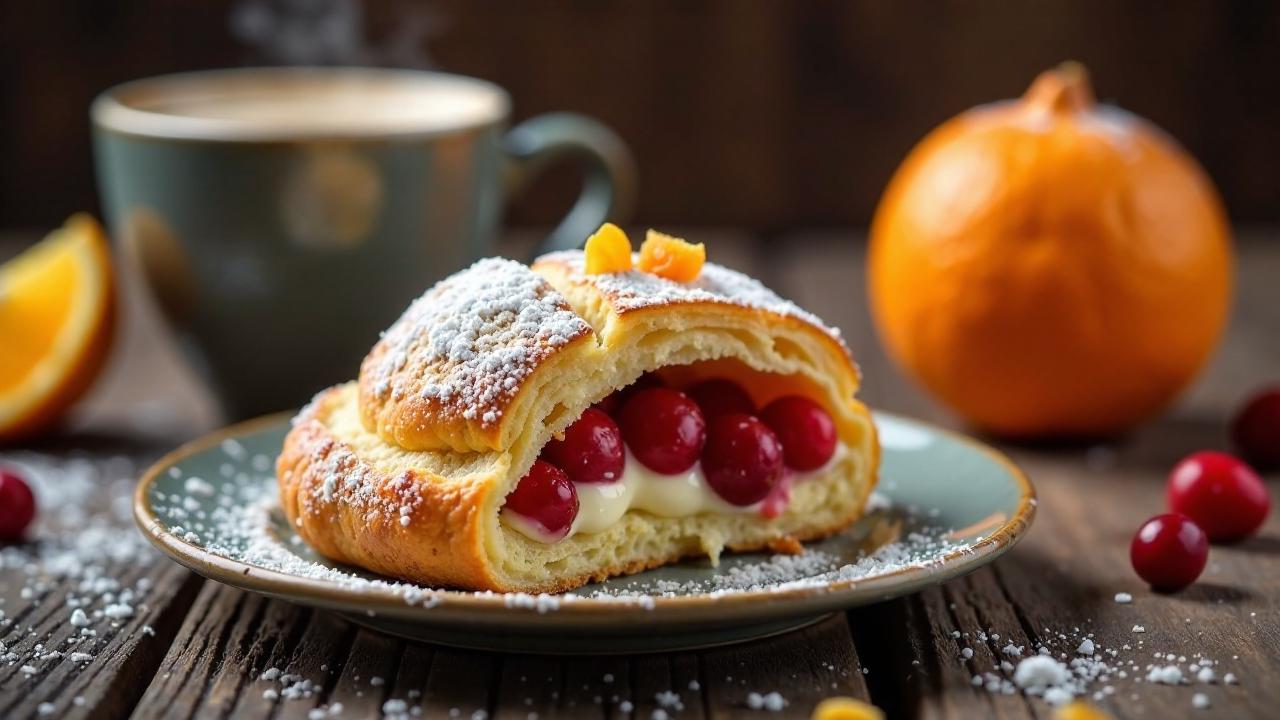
(398, 475)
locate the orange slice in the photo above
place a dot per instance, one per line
(671, 258)
(57, 307)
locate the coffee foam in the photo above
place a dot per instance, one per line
(268, 104)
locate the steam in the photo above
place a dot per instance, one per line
(333, 32)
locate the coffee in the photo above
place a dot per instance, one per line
(269, 104)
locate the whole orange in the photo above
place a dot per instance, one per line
(1050, 266)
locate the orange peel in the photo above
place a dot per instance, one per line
(608, 250)
(671, 257)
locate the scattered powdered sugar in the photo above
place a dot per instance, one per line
(669, 700)
(774, 702)
(468, 342)
(1039, 673)
(636, 290)
(1167, 674)
(1057, 675)
(82, 553)
(197, 486)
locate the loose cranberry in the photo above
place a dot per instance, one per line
(591, 451)
(721, 397)
(616, 399)
(1223, 495)
(1169, 551)
(807, 432)
(742, 459)
(17, 506)
(664, 429)
(546, 496)
(1256, 430)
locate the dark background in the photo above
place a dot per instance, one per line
(760, 114)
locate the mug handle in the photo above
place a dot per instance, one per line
(609, 171)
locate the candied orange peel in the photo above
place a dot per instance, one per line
(608, 250)
(844, 708)
(671, 258)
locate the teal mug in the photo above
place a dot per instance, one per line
(282, 217)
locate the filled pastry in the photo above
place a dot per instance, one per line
(599, 413)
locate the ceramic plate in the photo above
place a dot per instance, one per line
(945, 506)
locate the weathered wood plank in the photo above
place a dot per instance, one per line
(83, 557)
(803, 668)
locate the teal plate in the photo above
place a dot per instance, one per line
(945, 506)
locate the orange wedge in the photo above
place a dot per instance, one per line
(57, 307)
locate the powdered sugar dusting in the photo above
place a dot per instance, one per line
(469, 341)
(636, 290)
(348, 479)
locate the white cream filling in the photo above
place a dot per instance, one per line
(600, 505)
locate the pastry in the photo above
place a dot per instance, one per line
(537, 428)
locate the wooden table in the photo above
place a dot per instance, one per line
(205, 646)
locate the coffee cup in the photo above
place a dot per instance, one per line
(281, 218)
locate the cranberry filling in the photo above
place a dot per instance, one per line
(742, 460)
(805, 428)
(748, 457)
(591, 451)
(664, 429)
(616, 399)
(545, 496)
(721, 397)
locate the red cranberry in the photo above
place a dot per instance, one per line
(1169, 551)
(616, 399)
(779, 497)
(1256, 430)
(664, 429)
(1223, 495)
(807, 432)
(721, 397)
(742, 459)
(17, 506)
(591, 451)
(546, 496)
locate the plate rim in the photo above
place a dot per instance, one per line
(445, 602)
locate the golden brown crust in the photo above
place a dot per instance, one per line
(448, 372)
(350, 511)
